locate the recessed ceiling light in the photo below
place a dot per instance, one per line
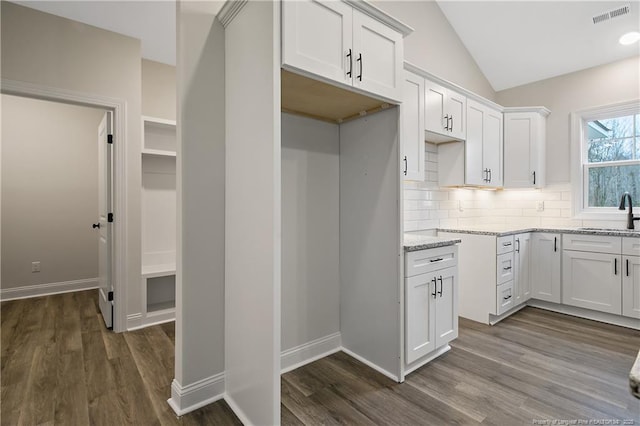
(629, 38)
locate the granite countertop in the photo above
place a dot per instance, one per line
(415, 242)
(634, 378)
(502, 230)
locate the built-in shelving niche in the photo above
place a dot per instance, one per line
(158, 205)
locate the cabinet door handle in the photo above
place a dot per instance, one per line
(627, 267)
(615, 266)
(434, 287)
(440, 279)
(405, 165)
(489, 175)
(350, 56)
(517, 245)
(451, 126)
(555, 244)
(534, 177)
(360, 60)
(446, 119)
(486, 175)
(436, 260)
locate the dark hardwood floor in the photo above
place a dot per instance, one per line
(60, 366)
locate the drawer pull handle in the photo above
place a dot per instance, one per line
(436, 260)
(506, 244)
(506, 268)
(434, 287)
(507, 298)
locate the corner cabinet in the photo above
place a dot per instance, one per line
(483, 150)
(546, 272)
(341, 42)
(524, 147)
(445, 113)
(431, 302)
(158, 206)
(413, 127)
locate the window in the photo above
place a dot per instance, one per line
(607, 141)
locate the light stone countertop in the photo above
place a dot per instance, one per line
(503, 230)
(417, 241)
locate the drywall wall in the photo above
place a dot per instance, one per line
(158, 90)
(49, 191)
(434, 45)
(253, 220)
(199, 363)
(598, 86)
(47, 50)
(310, 230)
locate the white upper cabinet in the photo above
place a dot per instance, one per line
(483, 147)
(338, 43)
(524, 147)
(413, 127)
(445, 113)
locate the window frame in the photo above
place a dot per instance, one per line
(579, 165)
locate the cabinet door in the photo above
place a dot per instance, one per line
(545, 267)
(522, 264)
(446, 318)
(475, 172)
(592, 281)
(631, 287)
(378, 57)
(317, 37)
(413, 127)
(434, 106)
(492, 146)
(457, 110)
(420, 295)
(524, 150)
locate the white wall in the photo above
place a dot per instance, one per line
(158, 90)
(201, 208)
(598, 86)
(434, 45)
(310, 230)
(49, 191)
(47, 50)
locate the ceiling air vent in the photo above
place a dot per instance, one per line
(610, 14)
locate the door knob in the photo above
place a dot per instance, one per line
(96, 225)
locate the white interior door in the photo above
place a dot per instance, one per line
(103, 225)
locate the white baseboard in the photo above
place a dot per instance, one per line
(138, 321)
(372, 365)
(586, 313)
(47, 289)
(185, 399)
(244, 419)
(494, 319)
(312, 351)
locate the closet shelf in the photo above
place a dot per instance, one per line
(152, 271)
(159, 152)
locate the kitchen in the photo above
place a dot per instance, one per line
(261, 160)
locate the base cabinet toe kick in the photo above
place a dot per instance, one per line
(591, 276)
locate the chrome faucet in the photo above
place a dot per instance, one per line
(630, 217)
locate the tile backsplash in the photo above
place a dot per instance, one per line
(427, 206)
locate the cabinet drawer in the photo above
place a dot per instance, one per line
(593, 243)
(631, 246)
(423, 261)
(504, 265)
(505, 298)
(504, 244)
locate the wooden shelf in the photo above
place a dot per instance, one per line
(162, 306)
(152, 271)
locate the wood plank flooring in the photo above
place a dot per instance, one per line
(60, 366)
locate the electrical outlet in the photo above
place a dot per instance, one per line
(35, 266)
(460, 208)
(540, 206)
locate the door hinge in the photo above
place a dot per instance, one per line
(110, 217)
(110, 139)
(110, 296)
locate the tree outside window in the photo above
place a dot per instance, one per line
(612, 163)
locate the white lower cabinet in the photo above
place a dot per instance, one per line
(522, 268)
(546, 272)
(592, 280)
(631, 277)
(431, 303)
